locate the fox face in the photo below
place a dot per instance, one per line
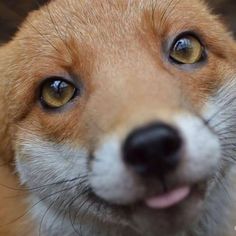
(119, 116)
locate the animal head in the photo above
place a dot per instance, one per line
(117, 111)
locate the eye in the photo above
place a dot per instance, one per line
(57, 92)
(187, 50)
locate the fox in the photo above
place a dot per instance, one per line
(118, 118)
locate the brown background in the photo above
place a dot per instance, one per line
(12, 12)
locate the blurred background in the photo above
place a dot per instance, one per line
(13, 12)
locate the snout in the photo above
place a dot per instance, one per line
(157, 163)
(153, 150)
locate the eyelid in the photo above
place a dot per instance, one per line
(73, 79)
(63, 77)
(171, 39)
(186, 34)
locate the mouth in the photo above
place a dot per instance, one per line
(176, 196)
(185, 198)
(169, 199)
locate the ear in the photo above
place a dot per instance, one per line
(6, 151)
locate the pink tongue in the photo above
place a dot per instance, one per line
(169, 199)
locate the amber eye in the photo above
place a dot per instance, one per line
(57, 92)
(187, 50)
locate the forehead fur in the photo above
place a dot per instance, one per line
(106, 22)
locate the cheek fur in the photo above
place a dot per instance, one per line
(202, 149)
(220, 114)
(44, 162)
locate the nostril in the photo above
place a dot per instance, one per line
(153, 149)
(168, 140)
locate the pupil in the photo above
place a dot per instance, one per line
(58, 87)
(183, 45)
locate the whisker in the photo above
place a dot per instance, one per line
(221, 109)
(41, 200)
(44, 215)
(43, 186)
(64, 207)
(87, 190)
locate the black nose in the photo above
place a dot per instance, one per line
(153, 150)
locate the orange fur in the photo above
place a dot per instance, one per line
(97, 48)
